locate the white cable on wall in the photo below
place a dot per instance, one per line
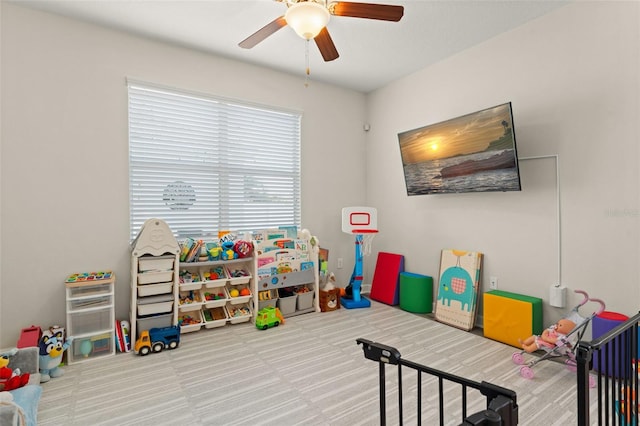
(558, 224)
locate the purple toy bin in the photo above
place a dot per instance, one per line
(614, 353)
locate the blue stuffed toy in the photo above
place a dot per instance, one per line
(227, 250)
(51, 350)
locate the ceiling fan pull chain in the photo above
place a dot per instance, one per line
(306, 59)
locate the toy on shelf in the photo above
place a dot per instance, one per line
(189, 297)
(190, 250)
(238, 273)
(239, 311)
(213, 251)
(241, 292)
(52, 348)
(243, 248)
(266, 298)
(187, 277)
(185, 320)
(208, 296)
(227, 251)
(190, 321)
(214, 317)
(89, 276)
(214, 273)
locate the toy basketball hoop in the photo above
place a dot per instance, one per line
(359, 220)
(363, 223)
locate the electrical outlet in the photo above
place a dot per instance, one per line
(493, 283)
(340, 263)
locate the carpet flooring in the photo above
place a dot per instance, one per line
(309, 371)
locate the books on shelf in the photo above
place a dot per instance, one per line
(190, 250)
(123, 341)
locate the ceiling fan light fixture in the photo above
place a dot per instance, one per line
(307, 18)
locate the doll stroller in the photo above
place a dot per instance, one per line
(565, 347)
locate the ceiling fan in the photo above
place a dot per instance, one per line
(309, 18)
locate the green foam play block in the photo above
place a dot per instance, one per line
(416, 293)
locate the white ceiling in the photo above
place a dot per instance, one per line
(372, 53)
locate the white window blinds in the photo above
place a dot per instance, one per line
(204, 164)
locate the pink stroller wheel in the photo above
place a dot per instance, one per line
(517, 358)
(571, 365)
(526, 372)
(592, 381)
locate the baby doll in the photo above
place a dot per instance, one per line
(549, 338)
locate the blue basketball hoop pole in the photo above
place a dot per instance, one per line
(353, 299)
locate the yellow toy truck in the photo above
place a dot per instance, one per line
(157, 339)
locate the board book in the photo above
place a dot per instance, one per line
(458, 288)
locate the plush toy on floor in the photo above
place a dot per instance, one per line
(11, 379)
(51, 350)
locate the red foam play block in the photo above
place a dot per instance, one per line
(385, 287)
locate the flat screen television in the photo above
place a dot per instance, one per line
(472, 153)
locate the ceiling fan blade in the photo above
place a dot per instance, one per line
(263, 33)
(325, 45)
(383, 12)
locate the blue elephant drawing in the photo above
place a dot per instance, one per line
(457, 284)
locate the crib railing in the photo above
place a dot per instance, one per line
(613, 359)
(501, 403)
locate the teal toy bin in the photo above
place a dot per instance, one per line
(416, 293)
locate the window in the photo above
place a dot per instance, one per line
(204, 164)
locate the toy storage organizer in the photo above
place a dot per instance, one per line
(154, 278)
(90, 317)
(215, 293)
(287, 278)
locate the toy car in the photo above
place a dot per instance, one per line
(269, 317)
(157, 339)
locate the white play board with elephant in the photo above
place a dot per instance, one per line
(458, 288)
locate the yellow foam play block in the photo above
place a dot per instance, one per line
(509, 317)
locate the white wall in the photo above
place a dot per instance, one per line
(64, 145)
(572, 77)
(0, 183)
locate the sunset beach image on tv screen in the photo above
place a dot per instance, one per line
(472, 153)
